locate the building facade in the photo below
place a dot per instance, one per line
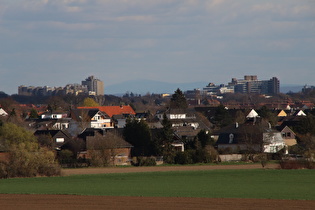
(91, 86)
(95, 86)
(251, 84)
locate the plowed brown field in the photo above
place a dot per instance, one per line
(67, 172)
(8, 201)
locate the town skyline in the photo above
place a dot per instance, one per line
(59, 42)
(95, 86)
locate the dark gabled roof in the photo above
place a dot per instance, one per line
(183, 120)
(238, 133)
(46, 132)
(121, 116)
(52, 133)
(176, 111)
(91, 132)
(210, 112)
(283, 127)
(187, 131)
(54, 112)
(92, 142)
(290, 121)
(141, 115)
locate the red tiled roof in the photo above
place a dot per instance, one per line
(113, 110)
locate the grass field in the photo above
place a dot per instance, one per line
(253, 183)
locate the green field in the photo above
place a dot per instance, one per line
(255, 183)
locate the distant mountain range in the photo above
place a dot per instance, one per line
(291, 88)
(150, 86)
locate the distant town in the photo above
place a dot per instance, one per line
(90, 86)
(245, 120)
(94, 86)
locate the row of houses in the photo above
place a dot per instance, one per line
(90, 123)
(258, 135)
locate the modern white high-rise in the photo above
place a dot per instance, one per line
(95, 86)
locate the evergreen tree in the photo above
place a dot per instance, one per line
(178, 100)
(166, 139)
(167, 131)
(138, 134)
(204, 138)
(222, 117)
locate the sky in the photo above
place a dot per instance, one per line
(59, 42)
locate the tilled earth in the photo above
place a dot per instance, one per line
(67, 172)
(12, 201)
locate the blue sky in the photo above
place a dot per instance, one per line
(57, 42)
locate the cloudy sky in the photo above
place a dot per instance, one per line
(57, 42)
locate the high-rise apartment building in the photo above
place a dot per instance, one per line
(251, 84)
(95, 86)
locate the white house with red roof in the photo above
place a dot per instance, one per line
(118, 114)
(113, 110)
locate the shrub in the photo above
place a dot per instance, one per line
(146, 161)
(3, 171)
(297, 164)
(99, 158)
(66, 159)
(27, 160)
(184, 157)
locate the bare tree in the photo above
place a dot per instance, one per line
(104, 149)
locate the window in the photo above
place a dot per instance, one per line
(60, 140)
(273, 149)
(231, 137)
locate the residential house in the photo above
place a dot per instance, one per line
(252, 114)
(142, 115)
(50, 121)
(119, 114)
(185, 135)
(179, 118)
(58, 137)
(171, 114)
(281, 113)
(299, 113)
(49, 115)
(291, 120)
(58, 120)
(288, 135)
(89, 118)
(108, 143)
(250, 137)
(113, 110)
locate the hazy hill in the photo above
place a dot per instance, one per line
(290, 88)
(145, 86)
